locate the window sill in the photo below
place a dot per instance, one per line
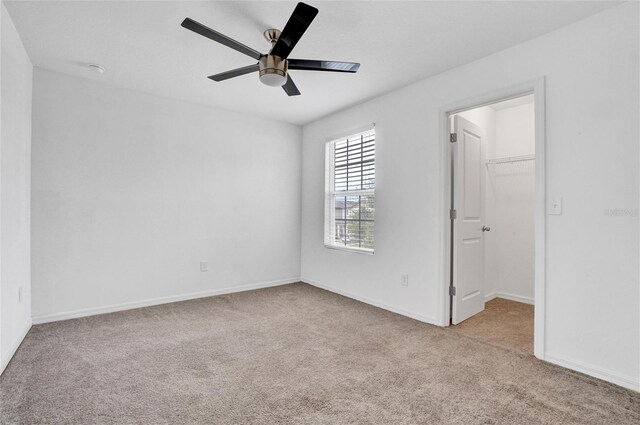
(350, 249)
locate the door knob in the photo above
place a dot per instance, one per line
(486, 228)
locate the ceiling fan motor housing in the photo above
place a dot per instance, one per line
(273, 70)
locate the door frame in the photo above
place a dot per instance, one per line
(537, 88)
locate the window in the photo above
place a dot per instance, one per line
(349, 189)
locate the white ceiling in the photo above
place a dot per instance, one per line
(143, 47)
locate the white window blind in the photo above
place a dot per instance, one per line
(350, 192)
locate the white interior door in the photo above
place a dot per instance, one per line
(468, 246)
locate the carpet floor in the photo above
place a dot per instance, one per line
(506, 323)
(292, 354)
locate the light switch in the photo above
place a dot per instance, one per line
(554, 206)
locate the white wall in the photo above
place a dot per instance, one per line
(15, 191)
(132, 191)
(515, 131)
(592, 104)
(513, 189)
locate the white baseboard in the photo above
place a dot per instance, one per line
(46, 318)
(384, 306)
(596, 372)
(507, 296)
(8, 355)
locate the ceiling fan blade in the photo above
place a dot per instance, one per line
(197, 27)
(235, 72)
(290, 87)
(298, 23)
(319, 65)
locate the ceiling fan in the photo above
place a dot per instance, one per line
(273, 67)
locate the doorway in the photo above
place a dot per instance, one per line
(495, 209)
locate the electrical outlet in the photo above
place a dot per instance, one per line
(20, 294)
(404, 279)
(204, 266)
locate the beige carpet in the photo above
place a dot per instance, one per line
(288, 355)
(506, 323)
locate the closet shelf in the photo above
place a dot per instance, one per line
(510, 159)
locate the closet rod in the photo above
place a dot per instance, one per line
(511, 159)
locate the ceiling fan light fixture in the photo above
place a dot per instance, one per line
(273, 70)
(273, 79)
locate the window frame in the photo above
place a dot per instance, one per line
(331, 193)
